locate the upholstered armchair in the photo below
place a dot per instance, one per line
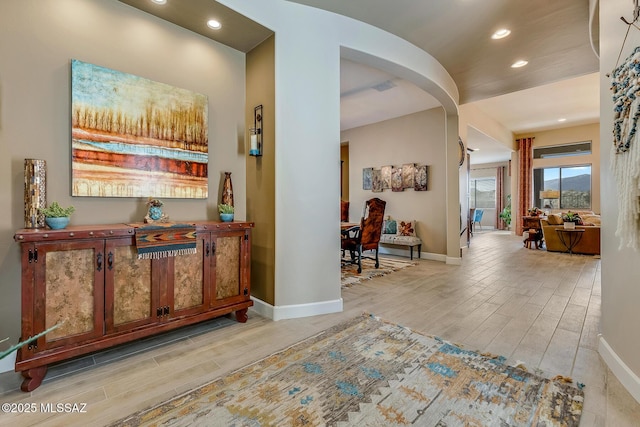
(365, 237)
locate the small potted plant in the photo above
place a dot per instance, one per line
(570, 219)
(226, 212)
(56, 216)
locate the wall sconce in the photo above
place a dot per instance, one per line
(255, 133)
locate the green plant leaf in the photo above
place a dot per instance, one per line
(27, 341)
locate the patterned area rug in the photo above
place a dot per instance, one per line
(367, 372)
(350, 274)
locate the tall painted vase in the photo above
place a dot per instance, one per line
(35, 192)
(227, 190)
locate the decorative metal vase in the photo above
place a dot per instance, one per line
(227, 190)
(35, 192)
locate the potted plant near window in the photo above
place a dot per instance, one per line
(226, 212)
(56, 216)
(505, 215)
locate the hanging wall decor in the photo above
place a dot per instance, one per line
(376, 181)
(35, 192)
(134, 137)
(408, 170)
(396, 179)
(625, 153)
(421, 178)
(366, 178)
(385, 172)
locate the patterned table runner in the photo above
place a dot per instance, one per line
(163, 240)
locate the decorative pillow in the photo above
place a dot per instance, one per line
(390, 226)
(592, 219)
(406, 228)
(554, 219)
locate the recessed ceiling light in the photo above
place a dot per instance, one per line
(213, 24)
(501, 33)
(159, 1)
(562, 119)
(520, 63)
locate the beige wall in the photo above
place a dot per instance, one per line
(415, 138)
(620, 341)
(344, 163)
(38, 38)
(261, 171)
(567, 136)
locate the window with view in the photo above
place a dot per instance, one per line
(566, 187)
(482, 193)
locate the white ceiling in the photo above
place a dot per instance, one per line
(552, 35)
(561, 79)
(577, 100)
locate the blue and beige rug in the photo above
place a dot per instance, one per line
(367, 372)
(350, 275)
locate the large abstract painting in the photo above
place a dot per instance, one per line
(133, 137)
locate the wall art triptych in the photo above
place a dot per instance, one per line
(409, 175)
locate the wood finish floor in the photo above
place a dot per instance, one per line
(539, 308)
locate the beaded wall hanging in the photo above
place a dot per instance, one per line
(625, 156)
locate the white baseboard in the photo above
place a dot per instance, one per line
(297, 310)
(406, 253)
(454, 260)
(8, 363)
(625, 375)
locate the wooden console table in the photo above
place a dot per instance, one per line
(89, 278)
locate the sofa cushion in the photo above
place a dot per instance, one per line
(406, 228)
(394, 239)
(554, 219)
(591, 219)
(407, 240)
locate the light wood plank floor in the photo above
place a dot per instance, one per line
(534, 307)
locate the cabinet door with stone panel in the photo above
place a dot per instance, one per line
(68, 290)
(131, 291)
(229, 276)
(189, 290)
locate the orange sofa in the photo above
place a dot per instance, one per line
(589, 244)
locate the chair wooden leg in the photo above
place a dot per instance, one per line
(419, 250)
(377, 260)
(360, 259)
(411, 252)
